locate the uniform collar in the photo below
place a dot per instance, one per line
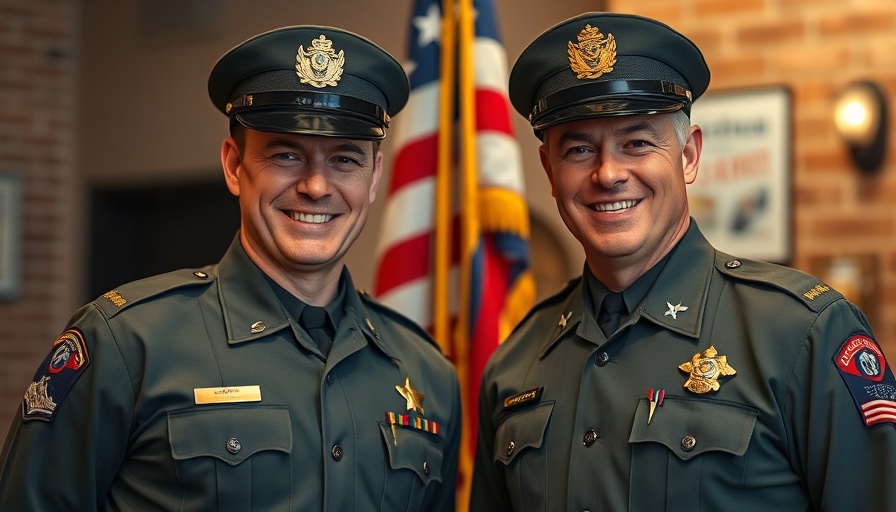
(683, 282)
(252, 309)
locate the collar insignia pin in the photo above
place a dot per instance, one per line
(704, 371)
(564, 318)
(674, 310)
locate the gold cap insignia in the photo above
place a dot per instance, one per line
(704, 371)
(413, 397)
(594, 54)
(320, 66)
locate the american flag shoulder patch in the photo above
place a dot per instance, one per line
(863, 367)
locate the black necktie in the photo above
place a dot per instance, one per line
(612, 312)
(314, 320)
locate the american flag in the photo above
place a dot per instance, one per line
(453, 252)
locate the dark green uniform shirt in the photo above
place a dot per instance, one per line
(564, 411)
(197, 390)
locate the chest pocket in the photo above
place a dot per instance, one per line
(239, 453)
(518, 440)
(521, 430)
(416, 460)
(690, 444)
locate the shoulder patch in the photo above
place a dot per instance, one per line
(870, 380)
(397, 317)
(115, 301)
(67, 360)
(807, 288)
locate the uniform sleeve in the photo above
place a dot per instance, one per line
(489, 491)
(70, 461)
(845, 464)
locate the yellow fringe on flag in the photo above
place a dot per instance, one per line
(503, 211)
(519, 300)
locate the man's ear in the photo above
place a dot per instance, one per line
(690, 154)
(231, 164)
(546, 165)
(377, 172)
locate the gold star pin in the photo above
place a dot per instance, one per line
(414, 397)
(705, 370)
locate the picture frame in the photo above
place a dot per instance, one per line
(742, 196)
(10, 234)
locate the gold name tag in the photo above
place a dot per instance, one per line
(227, 394)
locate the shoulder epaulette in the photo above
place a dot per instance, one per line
(398, 317)
(126, 295)
(815, 294)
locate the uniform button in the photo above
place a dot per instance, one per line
(200, 274)
(590, 438)
(337, 452)
(329, 378)
(510, 447)
(601, 359)
(733, 264)
(426, 467)
(688, 443)
(234, 446)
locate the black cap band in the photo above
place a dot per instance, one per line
(310, 100)
(657, 90)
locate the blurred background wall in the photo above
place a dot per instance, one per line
(106, 124)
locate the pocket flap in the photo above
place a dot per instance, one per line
(521, 430)
(689, 427)
(418, 451)
(229, 433)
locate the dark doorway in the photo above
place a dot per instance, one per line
(139, 231)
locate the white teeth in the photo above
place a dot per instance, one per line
(612, 207)
(310, 218)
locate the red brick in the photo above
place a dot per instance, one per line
(771, 33)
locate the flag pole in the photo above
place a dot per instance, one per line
(441, 320)
(469, 232)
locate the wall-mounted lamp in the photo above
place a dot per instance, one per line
(860, 114)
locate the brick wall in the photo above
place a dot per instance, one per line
(814, 47)
(37, 80)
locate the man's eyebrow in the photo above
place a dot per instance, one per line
(573, 136)
(638, 126)
(350, 147)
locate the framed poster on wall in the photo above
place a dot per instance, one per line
(741, 198)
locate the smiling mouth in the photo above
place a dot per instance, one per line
(614, 207)
(311, 218)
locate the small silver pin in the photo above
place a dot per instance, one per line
(563, 319)
(372, 329)
(257, 327)
(674, 310)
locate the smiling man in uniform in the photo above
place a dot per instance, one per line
(670, 376)
(266, 381)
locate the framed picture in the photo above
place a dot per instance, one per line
(741, 198)
(10, 234)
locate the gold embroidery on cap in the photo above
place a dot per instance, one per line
(594, 54)
(320, 66)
